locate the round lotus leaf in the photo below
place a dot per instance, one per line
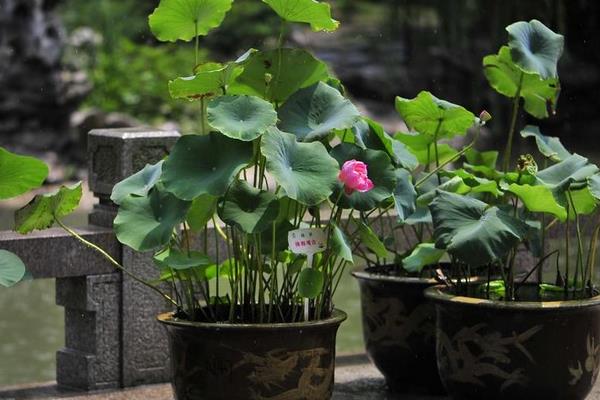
(305, 171)
(241, 117)
(43, 210)
(535, 48)
(312, 113)
(310, 283)
(176, 20)
(250, 209)
(315, 13)
(380, 170)
(505, 77)
(436, 118)
(12, 269)
(146, 223)
(472, 231)
(289, 70)
(204, 165)
(19, 174)
(138, 184)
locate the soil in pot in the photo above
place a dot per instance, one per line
(490, 349)
(221, 361)
(399, 329)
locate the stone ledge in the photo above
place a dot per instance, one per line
(356, 379)
(53, 253)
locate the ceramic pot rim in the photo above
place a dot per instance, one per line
(337, 317)
(362, 274)
(439, 294)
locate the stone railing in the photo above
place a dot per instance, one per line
(111, 337)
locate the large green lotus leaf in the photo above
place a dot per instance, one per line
(207, 82)
(485, 158)
(204, 165)
(548, 146)
(539, 199)
(201, 211)
(405, 195)
(370, 240)
(313, 112)
(476, 184)
(369, 134)
(423, 148)
(423, 255)
(241, 117)
(12, 269)
(584, 202)
(138, 184)
(421, 216)
(250, 209)
(179, 260)
(504, 76)
(146, 223)
(289, 70)
(535, 48)
(594, 185)
(572, 172)
(340, 246)
(44, 209)
(310, 283)
(427, 115)
(315, 13)
(380, 170)
(184, 20)
(453, 185)
(472, 231)
(19, 174)
(304, 170)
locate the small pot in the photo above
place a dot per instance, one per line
(399, 331)
(222, 361)
(516, 350)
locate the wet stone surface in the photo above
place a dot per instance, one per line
(356, 379)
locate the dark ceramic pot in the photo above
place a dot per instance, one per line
(516, 350)
(220, 361)
(399, 331)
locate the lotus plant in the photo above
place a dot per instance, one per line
(530, 195)
(244, 218)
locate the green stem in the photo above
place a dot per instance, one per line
(436, 151)
(114, 262)
(450, 160)
(513, 124)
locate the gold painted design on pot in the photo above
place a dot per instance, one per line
(476, 352)
(272, 370)
(390, 323)
(591, 365)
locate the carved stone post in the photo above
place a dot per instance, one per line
(113, 155)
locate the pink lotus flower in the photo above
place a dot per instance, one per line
(354, 177)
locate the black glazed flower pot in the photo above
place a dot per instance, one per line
(516, 350)
(220, 361)
(399, 331)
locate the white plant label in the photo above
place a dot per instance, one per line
(307, 241)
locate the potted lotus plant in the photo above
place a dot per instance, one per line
(525, 335)
(398, 323)
(244, 217)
